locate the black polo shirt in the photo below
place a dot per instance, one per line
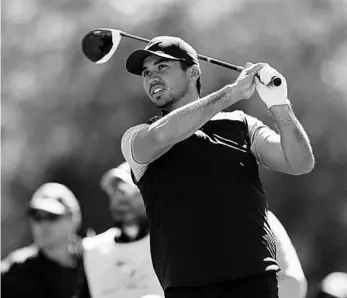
(31, 274)
(207, 208)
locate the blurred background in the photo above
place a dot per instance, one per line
(63, 116)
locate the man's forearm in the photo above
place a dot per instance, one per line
(184, 121)
(294, 140)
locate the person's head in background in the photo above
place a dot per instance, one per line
(334, 285)
(125, 201)
(55, 217)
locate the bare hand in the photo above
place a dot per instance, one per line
(246, 82)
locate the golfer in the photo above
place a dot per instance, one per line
(197, 169)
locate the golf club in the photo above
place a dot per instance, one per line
(99, 45)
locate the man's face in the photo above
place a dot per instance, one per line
(164, 80)
(126, 203)
(50, 230)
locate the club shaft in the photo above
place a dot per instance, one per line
(220, 63)
(201, 57)
(274, 81)
(134, 37)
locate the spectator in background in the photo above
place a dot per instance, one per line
(118, 261)
(52, 266)
(291, 279)
(334, 285)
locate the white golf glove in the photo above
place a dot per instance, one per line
(151, 296)
(271, 95)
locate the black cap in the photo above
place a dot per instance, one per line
(163, 46)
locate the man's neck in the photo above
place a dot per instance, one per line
(60, 254)
(191, 96)
(131, 232)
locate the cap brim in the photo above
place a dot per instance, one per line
(48, 205)
(123, 176)
(134, 63)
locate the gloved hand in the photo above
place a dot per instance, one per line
(151, 296)
(271, 95)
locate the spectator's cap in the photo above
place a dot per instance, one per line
(54, 198)
(111, 177)
(335, 284)
(163, 46)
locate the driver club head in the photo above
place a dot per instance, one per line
(99, 45)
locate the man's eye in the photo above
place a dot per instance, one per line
(162, 66)
(145, 73)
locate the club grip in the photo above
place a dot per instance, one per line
(276, 81)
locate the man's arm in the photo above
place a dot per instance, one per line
(290, 151)
(292, 146)
(152, 141)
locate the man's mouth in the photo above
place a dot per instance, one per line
(156, 90)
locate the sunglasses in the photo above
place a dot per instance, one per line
(39, 216)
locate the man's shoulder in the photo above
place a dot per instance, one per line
(101, 239)
(153, 119)
(236, 115)
(133, 130)
(20, 259)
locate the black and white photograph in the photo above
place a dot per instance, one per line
(174, 149)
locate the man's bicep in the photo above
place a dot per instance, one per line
(267, 148)
(266, 145)
(271, 154)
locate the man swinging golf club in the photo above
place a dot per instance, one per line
(197, 170)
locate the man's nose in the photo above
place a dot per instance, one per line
(153, 79)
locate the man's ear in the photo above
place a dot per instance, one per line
(195, 72)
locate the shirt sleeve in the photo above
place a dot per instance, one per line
(126, 147)
(258, 134)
